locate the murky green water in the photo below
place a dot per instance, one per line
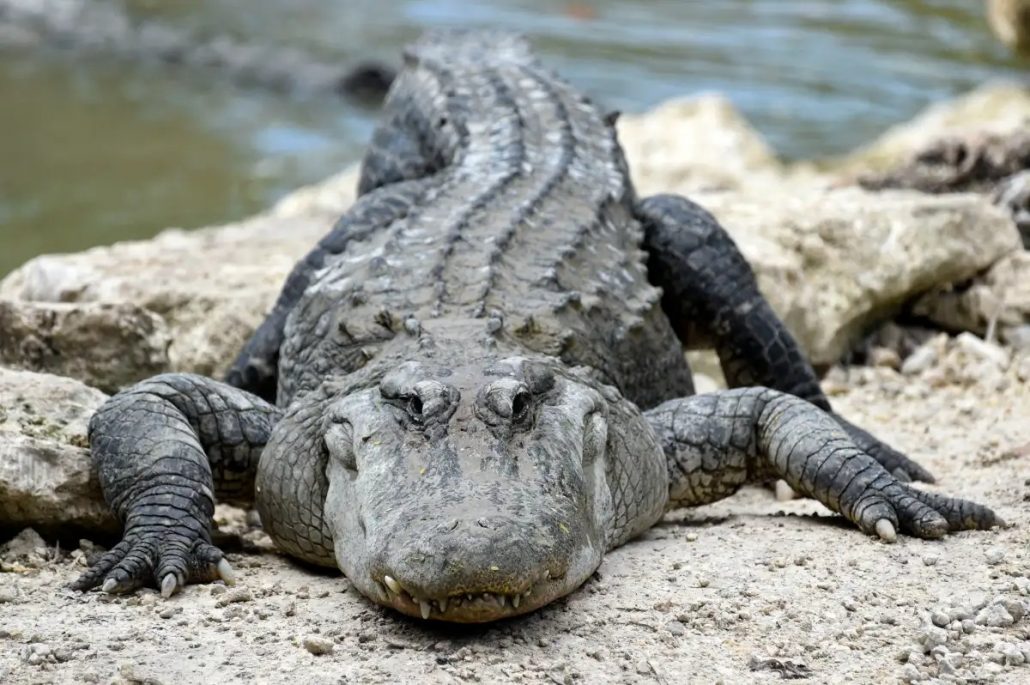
(94, 150)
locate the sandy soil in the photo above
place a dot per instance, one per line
(748, 590)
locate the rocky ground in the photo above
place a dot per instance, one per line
(750, 589)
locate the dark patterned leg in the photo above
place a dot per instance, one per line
(717, 442)
(163, 450)
(711, 296)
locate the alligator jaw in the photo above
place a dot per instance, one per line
(466, 607)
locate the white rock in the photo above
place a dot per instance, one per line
(920, 360)
(694, 143)
(999, 108)
(45, 474)
(883, 249)
(108, 346)
(982, 349)
(995, 616)
(995, 555)
(931, 636)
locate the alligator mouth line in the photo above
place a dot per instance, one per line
(460, 605)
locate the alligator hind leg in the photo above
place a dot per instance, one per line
(163, 450)
(712, 298)
(717, 442)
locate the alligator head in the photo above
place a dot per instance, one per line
(469, 493)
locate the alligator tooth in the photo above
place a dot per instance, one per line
(394, 586)
(424, 606)
(443, 605)
(470, 597)
(516, 600)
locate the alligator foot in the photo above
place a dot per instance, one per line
(156, 447)
(168, 557)
(717, 442)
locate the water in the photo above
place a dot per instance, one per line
(97, 150)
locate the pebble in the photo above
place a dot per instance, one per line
(148, 599)
(911, 674)
(8, 594)
(977, 347)
(675, 627)
(235, 595)
(995, 555)
(37, 653)
(318, 645)
(884, 356)
(930, 559)
(920, 360)
(1012, 654)
(931, 637)
(691, 537)
(1023, 370)
(940, 619)
(995, 616)
(1015, 607)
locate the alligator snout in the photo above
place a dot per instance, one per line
(473, 569)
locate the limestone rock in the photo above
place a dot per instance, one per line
(995, 304)
(328, 198)
(694, 143)
(1013, 194)
(210, 287)
(45, 474)
(835, 262)
(107, 346)
(975, 161)
(993, 109)
(1010, 21)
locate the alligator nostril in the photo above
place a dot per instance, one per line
(415, 406)
(519, 405)
(504, 401)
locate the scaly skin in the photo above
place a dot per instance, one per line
(481, 391)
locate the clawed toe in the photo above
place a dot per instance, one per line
(137, 561)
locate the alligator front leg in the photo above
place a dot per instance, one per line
(717, 442)
(163, 450)
(712, 298)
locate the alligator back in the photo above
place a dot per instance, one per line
(522, 221)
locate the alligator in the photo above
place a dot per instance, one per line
(475, 385)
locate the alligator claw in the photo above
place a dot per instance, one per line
(143, 557)
(226, 572)
(168, 586)
(885, 530)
